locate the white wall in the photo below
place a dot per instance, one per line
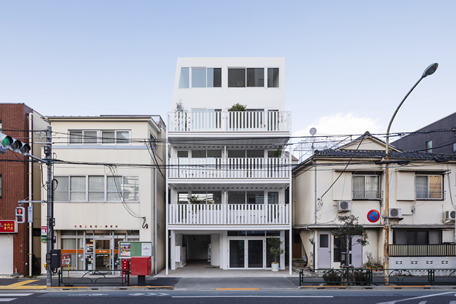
(224, 97)
(6, 254)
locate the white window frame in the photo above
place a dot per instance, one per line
(364, 195)
(429, 194)
(99, 137)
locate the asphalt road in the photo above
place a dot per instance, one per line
(229, 297)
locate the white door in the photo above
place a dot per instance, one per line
(324, 249)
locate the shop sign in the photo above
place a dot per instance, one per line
(8, 227)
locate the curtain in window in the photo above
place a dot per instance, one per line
(435, 186)
(75, 137)
(90, 137)
(422, 187)
(358, 187)
(114, 188)
(108, 137)
(372, 187)
(77, 188)
(96, 189)
(61, 192)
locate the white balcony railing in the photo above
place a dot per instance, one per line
(229, 168)
(218, 121)
(228, 214)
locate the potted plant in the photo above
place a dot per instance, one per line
(194, 200)
(237, 119)
(276, 250)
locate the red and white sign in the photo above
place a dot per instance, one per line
(373, 216)
(8, 227)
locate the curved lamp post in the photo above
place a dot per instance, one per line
(427, 72)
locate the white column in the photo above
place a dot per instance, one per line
(173, 249)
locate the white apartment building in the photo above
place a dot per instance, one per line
(351, 180)
(228, 177)
(110, 187)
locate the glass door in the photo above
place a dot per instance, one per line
(247, 253)
(102, 254)
(255, 253)
(237, 253)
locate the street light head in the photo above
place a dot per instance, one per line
(430, 70)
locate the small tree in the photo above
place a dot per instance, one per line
(238, 108)
(347, 231)
(276, 250)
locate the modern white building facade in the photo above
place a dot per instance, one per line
(109, 187)
(228, 177)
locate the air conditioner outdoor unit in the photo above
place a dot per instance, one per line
(345, 206)
(395, 213)
(449, 215)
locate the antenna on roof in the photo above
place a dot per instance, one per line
(312, 132)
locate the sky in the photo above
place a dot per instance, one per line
(348, 64)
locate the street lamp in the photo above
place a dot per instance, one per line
(427, 72)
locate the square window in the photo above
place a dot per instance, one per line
(123, 137)
(76, 137)
(429, 187)
(236, 78)
(255, 77)
(366, 187)
(90, 137)
(108, 137)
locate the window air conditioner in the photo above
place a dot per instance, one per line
(345, 206)
(449, 215)
(395, 213)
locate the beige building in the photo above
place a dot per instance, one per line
(351, 180)
(110, 187)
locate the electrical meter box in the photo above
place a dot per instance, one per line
(141, 266)
(56, 258)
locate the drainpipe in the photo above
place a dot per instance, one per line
(155, 222)
(30, 192)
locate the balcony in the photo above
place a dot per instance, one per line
(228, 214)
(437, 250)
(227, 121)
(201, 168)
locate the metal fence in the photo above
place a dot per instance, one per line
(108, 277)
(376, 277)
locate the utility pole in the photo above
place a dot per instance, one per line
(50, 206)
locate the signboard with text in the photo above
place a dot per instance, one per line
(135, 249)
(8, 226)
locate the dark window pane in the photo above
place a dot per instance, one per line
(273, 77)
(214, 77)
(236, 78)
(324, 240)
(255, 77)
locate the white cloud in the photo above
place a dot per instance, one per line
(341, 124)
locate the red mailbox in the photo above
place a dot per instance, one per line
(125, 264)
(141, 266)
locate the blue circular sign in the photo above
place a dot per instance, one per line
(373, 216)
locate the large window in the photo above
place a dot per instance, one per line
(252, 77)
(417, 237)
(95, 137)
(429, 187)
(252, 197)
(201, 78)
(366, 187)
(96, 188)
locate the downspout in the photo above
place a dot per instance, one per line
(30, 190)
(315, 215)
(166, 207)
(290, 199)
(155, 221)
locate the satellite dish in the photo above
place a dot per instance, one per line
(313, 131)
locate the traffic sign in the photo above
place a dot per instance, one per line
(373, 216)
